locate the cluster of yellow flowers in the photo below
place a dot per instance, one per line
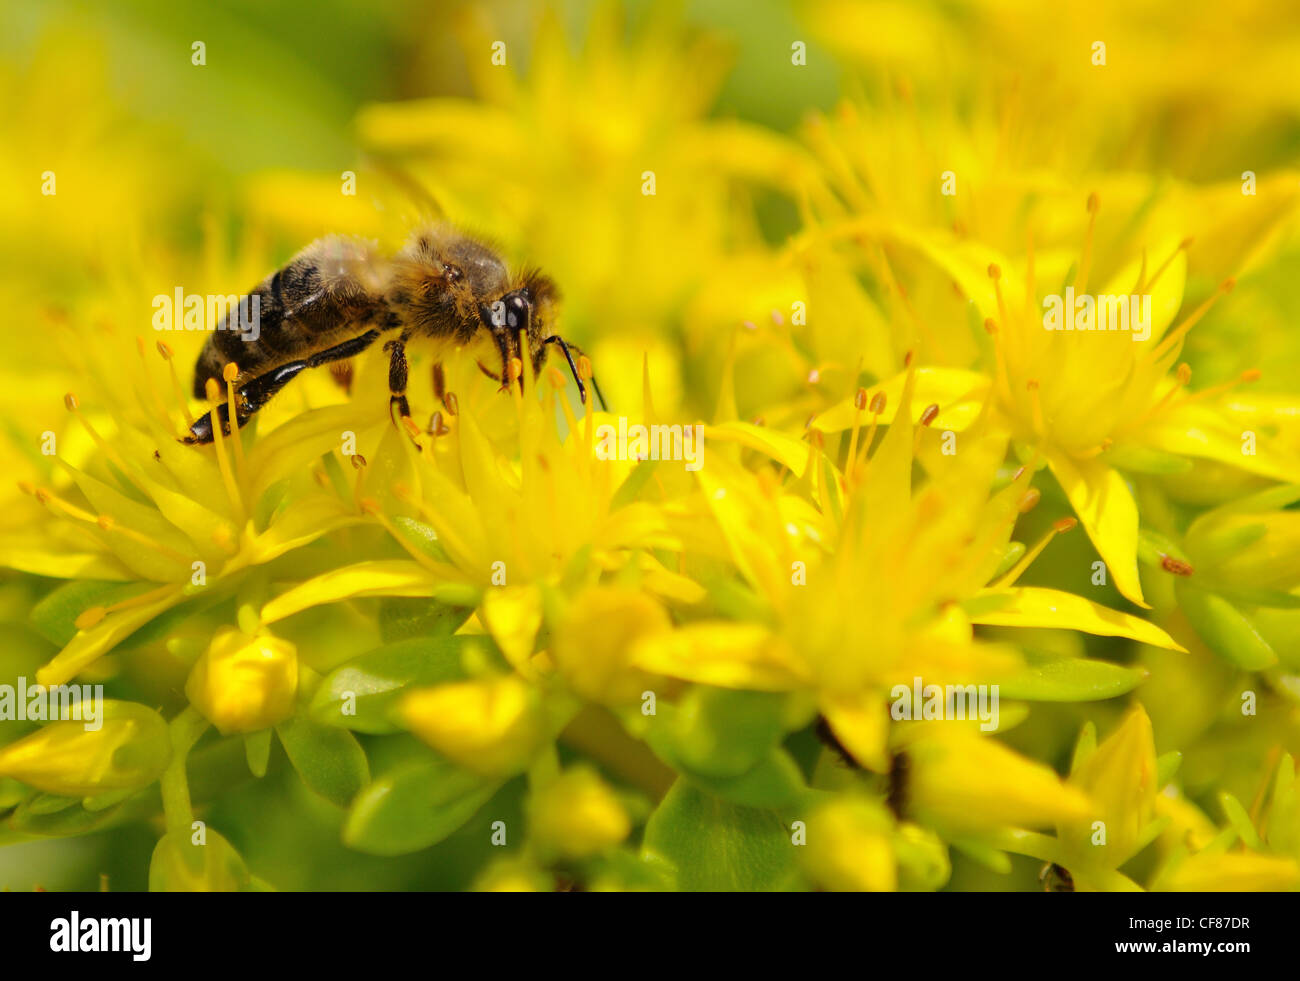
(618, 672)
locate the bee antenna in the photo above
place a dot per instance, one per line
(582, 391)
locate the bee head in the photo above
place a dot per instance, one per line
(529, 308)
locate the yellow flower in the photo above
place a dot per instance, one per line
(965, 783)
(128, 751)
(849, 849)
(1119, 777)
(866, 582)
(576, 815)
(492, 726)
(595, 644)
(243, 684)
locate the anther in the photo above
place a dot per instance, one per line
(1062, 525)
(860, 399)
(89, 617)
(1029, 501)
(878, 402)
(929, 414)
(70, 401)
(1175, 566)
(358, 461)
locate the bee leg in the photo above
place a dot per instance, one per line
(503, 345)
(397, 376)
(439, 384)
(260, 390)
(566, 347)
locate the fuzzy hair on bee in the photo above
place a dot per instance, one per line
(340, 295)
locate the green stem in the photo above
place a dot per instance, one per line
(185, 731)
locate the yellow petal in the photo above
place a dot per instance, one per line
(1109, 514)
(513, 615)
(387, 577)
(1031, 606)
(492, 726)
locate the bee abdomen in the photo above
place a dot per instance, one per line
(327, 292)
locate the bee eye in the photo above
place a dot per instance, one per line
(516, 310)
(452, 273)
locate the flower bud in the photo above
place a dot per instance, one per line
(959, 781)
(244, 683)
(595, 644)
(849, 847)
(512, 875)
(491, 726)
(1119, 776)
(203, 863)
(577, 815)
(129, 750)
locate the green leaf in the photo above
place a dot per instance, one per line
(361, 693)
(773, 782)
(1072, 680)
(257, 750)
(401, 618)
(413, 807)
(329, 760)
(1225, 629)
(718, 846)
(1166, 766)
(1240, 820)
(725, 733)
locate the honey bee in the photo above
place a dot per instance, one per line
(339, 295)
